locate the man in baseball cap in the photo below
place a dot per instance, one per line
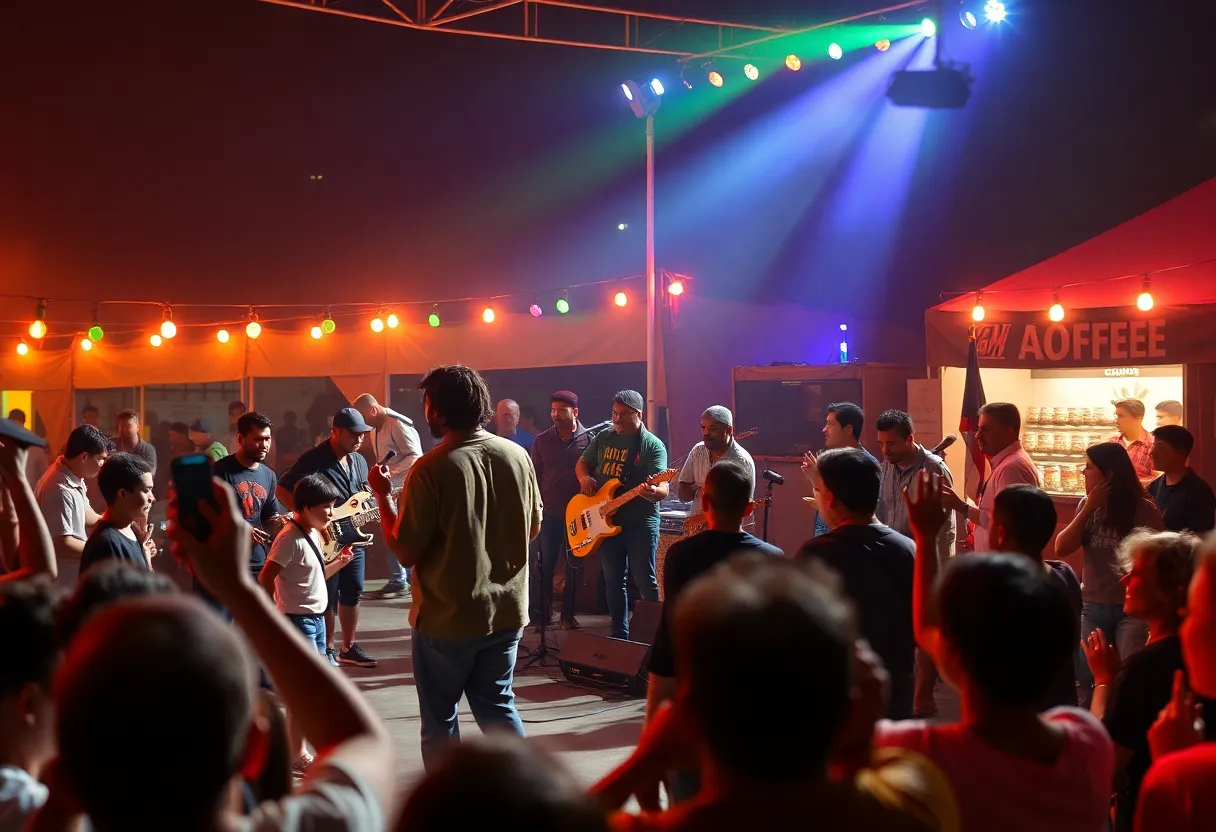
(631, 454)
(204, 442)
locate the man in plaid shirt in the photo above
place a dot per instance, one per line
(1129, 418)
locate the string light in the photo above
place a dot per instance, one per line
(156, 340)
(253, 329)
(377, 324)
(316, 332)
(883, 45)
(621, 299)
(676, 287)
(715, 78)
(328, 325)
(534, 310)
(222, 336)
(1145, 302)
(835, 52)
(168, 329)
(433, 318)
(751, 72)
(96, 333)
(563, 303)
(487, 314)
(1056, 312)
(86, 344)
(23, 348)
(977, 311)
(927, 28)
(38, 327)
(392, 320)
(793, 62)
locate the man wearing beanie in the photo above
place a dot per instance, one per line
(631, 454)
(717, 444)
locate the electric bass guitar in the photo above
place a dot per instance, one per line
(349, 517)
(697, 523)
(589, 519)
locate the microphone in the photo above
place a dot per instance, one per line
(945, 443)
(601, 426)
(387, 457)
(388, 411)
(773, 477)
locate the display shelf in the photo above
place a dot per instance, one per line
(1104, 426)
(1055, 456)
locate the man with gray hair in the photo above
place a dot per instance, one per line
(395, 433)
(717, 444)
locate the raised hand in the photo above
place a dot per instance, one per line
(810, 468)
(1180, 723)
(378, 481)
(926, 507)
(1103, 658)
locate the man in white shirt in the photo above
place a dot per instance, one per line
(717, 443)
(1000, 425)
(63, 497)
(396, 433)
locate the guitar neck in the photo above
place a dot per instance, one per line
(612, 505)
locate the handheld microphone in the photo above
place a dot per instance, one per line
(601, 426)
(945, 443)
(387, 457)
(773, 477)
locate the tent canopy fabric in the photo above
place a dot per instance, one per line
(1175, 243)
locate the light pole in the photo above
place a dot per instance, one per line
(645, 101)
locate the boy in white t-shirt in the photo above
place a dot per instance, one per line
(295, 575)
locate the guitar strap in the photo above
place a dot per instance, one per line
(311, 544)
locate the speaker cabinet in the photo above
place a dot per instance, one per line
(604, 662)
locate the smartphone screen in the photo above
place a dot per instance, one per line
(192, 485)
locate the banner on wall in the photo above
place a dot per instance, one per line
(1086, 338)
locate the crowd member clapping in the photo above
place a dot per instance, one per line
(194, 731)
(789, 620)
(1179, 793)
(1129, 695)
(999, 630)
(1114, 504)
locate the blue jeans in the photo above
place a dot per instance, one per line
(346, 586)
(481, 669)
(312, 626)
(1129, 635)
(553, 550)
(629, 553)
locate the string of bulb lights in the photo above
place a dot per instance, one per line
(382, 316)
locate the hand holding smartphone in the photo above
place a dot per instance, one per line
(192, 486)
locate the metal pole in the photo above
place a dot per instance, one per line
(652, 294)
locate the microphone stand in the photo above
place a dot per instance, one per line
(540, 656)
(768, 502)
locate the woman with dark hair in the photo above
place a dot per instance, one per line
(1115, 503)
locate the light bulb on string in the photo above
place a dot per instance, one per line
(433, 318)
(96, 333)
(168, 329)
(793, 62)
(377, 324)
(23, 348)
(316, 332)
(621, 299)
(156, 340)
(1056, 312)
(977, 311)
(675, 287)
(563, 304)
(86, 343)
(222, 336)
(715, 78)
(835, 52)
(534, 310)
(392, 321)
(487, 314)
(883, 45)
(1145, 301)
(254, 328)
(38, 327)
(751, 72)
(328, 325)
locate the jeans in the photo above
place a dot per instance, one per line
(481, 669)
(553, 550)
(313, 628)
(1129, 636)
(630, 552)
(346, 587)
(396, 572)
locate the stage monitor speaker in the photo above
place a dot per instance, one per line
(604, 662)
(645, 622)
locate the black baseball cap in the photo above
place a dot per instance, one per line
(11, 431)
(352, 420)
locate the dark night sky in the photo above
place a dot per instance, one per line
(162, 150)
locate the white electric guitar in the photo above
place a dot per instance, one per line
(349, 516)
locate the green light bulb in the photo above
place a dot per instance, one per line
(96, 333)
(328, 326)
(563, 306)
(433, 319)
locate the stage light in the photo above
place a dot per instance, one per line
(433, 318)
(967, 19)
(86, 344)
(715, 78)
(316, 332)
(676, 287)
(994, 11)
(835, 52)
(487, 314)
(253, 329)
(928, 28)
(656, 86)
(563, 305)
(222, 336)
(38, 327)
(883, 45)
(1056, 312)
(168, 329)
(751, 72)
(977, 311)
(621, 226)
(393, 321)
(1145, 302)
(644, 100)
(328, 324)
(793, 62)
(621, 299)
(377, 324)
(23, 348)
(628, 92)
(156, 340)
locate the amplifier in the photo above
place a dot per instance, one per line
(604, 662)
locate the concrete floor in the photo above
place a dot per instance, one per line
(590, 731)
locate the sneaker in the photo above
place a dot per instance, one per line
(332, 655)
(394, 589)
(354, 655)
(569, 622)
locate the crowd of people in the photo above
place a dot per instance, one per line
(783, 691)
